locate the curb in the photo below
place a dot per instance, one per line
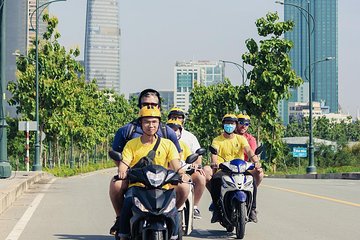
(347, 176)
(12, 188)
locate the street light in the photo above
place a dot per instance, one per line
(37, 166)
(5, 167)
(241, 69)
(311, 169)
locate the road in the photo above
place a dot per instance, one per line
(79, 208)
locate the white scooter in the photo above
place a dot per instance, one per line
(186, 211)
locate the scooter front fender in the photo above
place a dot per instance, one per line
(157, 225)
(239, 196)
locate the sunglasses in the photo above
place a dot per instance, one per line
(149, 105)
(177, 117)
(246, 124)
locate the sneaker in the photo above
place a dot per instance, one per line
(197, 214)
(212, 207)
(253, 216)
(115, 227)
(215, 217)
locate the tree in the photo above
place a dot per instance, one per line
(208, 106)
(270, 80)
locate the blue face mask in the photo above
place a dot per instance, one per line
(229, 128)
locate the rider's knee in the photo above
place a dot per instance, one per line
(198, 179)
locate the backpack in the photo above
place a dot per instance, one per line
(132, 129)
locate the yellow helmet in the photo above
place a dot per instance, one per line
(149, 111)
(176, 111)
(174, 124)
(243, 117)
(229, 117)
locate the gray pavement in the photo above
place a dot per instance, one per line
(13, 187)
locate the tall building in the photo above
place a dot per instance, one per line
(31, 20)
(187, 73)
(18, 35)
(102, 43)
(323, 44)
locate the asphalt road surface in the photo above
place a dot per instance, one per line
(79, 208)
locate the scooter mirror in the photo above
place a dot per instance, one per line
(201, 151)
(259, 149)
(192, 158)
(213, 150)
(115, 155)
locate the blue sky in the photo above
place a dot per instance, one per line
(157, 33)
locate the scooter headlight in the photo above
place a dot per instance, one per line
(171, 206)
(231, 184)
(155, 179)
(139, 205)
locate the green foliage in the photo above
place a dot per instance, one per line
(208, 106)
(70, 107)
(270, 80)
(66, 171)
(323, 128)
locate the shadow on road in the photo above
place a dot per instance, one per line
(84, 237)
(210, 234)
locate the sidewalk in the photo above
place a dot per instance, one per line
(13, 187)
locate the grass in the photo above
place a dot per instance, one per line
(66, 171)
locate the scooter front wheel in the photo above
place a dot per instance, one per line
(240, 223)
(156, 235)
(230, 228)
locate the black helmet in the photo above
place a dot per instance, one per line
(146, 92)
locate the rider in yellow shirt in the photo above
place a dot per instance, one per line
(229, 146)
(166, 155)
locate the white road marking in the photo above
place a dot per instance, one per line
(21, 224)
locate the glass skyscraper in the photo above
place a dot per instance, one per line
(323, 43)
(102, 43)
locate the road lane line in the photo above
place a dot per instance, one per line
(21, 224)
(313, 195)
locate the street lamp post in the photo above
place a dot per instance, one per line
(37, 166)
(311, 169)
(5, 167)
(241, 69)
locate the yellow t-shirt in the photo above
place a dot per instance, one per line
(134, 150)
(230, 148)
(185, 150)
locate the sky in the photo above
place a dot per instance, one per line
(155, 34)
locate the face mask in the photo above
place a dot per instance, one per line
(229, 128)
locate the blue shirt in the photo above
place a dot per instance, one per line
(121, 134)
